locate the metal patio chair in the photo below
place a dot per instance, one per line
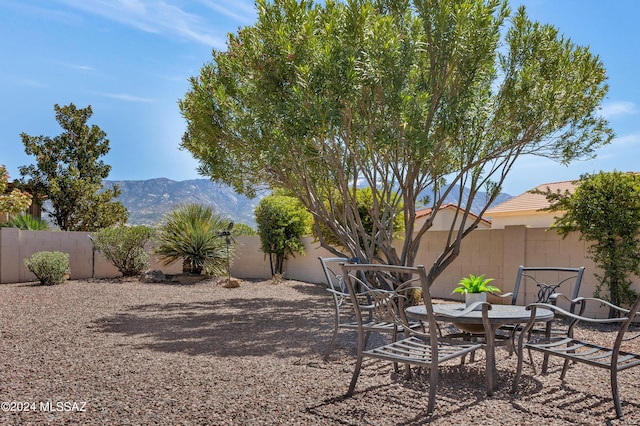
(537, 284)
(344, 315)
(427, 350)
(585, 351)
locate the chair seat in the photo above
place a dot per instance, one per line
(585, 352)
(417, 351)
(380, 326)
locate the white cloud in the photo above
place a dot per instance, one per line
(79, 67)
(160, 17)
(618, 108)
(127, 97)
(626, 140)
(240, 11)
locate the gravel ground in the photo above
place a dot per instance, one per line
(122, 352)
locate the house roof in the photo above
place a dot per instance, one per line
(529, 202)
(448, 206)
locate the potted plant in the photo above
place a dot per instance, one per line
(475, 288)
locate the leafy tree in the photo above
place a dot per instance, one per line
(191, 233)
(365, 206)
(124, 247)
(405, 97)
(605, 209)
(282, 222)
(14, 202)
(69, 173)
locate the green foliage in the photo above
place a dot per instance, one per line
(50, 267)
(124, 247)
(406, 97)
(282, 222)
(14, 202)
(69, 173)
(475, 284)
(366, 207)
(26, 221)
(190, 234)
(605, 210)
(243, 229)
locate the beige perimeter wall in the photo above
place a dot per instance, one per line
(495, 252)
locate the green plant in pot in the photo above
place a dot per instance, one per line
(475, 288)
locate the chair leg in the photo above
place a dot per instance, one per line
(614, 392)
(565, 367)
(362, 343)
(516, 379)
(332, 343)
(433, 387)
(356, 373)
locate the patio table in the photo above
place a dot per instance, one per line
(499, 315)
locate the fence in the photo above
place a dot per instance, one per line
(494, 252)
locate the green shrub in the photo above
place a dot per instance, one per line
(282, 221)
(26, 221)
(191, 234)
(50, 267)
(124, 247)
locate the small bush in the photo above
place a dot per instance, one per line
(26, 221)
(124, 247)
(50, 267)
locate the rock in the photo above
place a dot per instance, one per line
(231, 283)
(153, 276)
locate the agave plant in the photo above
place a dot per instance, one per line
(191, 234)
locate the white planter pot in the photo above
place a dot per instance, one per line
(475, 297)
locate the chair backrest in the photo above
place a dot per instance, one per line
(538, 283)
(333, 272)
(388, 305)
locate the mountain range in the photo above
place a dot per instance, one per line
(149, 200)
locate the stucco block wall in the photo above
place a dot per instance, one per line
(497, 253)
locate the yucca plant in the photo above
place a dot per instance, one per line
(191, 233)
(26, 221)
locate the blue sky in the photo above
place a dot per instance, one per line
(130, 60)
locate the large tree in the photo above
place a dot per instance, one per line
(405, 97)
(69, 172)
(605, 210)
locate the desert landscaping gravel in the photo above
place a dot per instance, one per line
(122, 352)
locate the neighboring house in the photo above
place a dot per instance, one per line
(444, 218)
(525, 209)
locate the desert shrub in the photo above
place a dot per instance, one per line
(26, 221)
(191, 233)
(282, 222)
(243, 229)
(50, 267)
(124, 247)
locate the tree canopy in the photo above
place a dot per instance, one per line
(69, 173)
(14, 202)
(404, 97)
(605, 210)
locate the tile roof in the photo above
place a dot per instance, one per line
(529, 202)
(451, 206)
